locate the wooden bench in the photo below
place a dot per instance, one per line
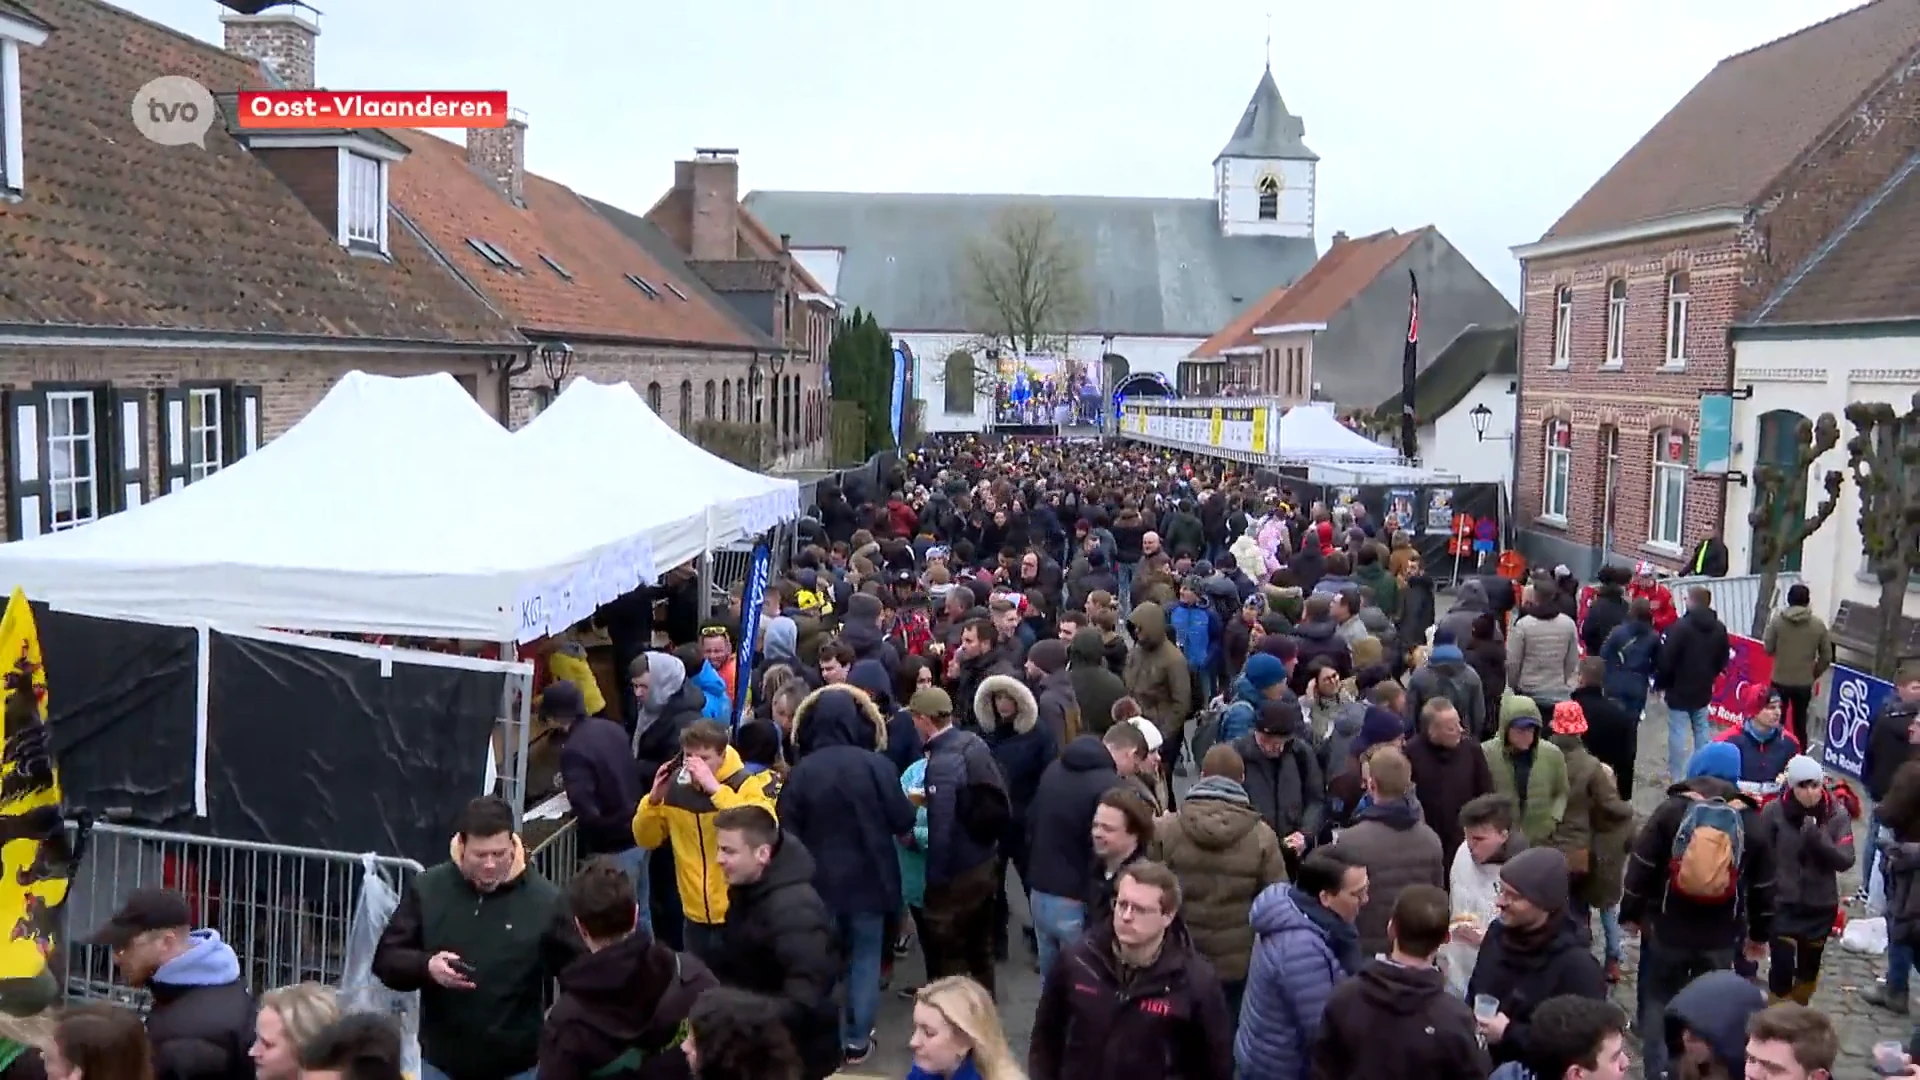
(1856, 626)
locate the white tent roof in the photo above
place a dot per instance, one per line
(396, 506)
(1310, 433)
(643, 459)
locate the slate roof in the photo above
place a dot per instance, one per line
(659, 245)
(1267, 129)
(116, 231)
(740, 275)
(673, 216)
(451, 202)
(1333, 282)
(1473, 354)
(1869, 270)
(1157, 266)
(1755, 114)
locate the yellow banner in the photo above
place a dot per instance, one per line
(1259, 431)
(34, 863)
(1214, 426)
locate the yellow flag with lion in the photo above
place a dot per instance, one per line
(36, 858)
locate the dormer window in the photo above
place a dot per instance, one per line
(363, 202)
(16, 29)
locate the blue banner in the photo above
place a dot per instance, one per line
(901, 356)
(1853, 698)
(752, 599)
(1716, 435)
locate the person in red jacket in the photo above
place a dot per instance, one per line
(901, 519)
(1665, 614)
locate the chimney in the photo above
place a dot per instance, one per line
(282, 41)
(500, 154)
(1339, 238)
(714, 177)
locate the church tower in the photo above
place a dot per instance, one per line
(1263, 179)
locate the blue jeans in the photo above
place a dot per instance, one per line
(1900, 962)
(1610, 926)
(1873, 852)
(862, 939)
(1682, 723)
(1057, 923)
(1664, 973)
(1124, 571)
(634, 862)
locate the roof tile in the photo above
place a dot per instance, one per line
(118, 231)
(452, 202)
(1869, 272)
(1347, 267)
(1749, 120)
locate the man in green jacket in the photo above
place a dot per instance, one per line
(1528, 768)
(1802, 651)
(480, 936)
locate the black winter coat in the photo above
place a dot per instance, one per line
(1606, 610)
(1693, 655)
(1444, 780)
(201, 1032)
(661, 740)
(1675, 920)
(619, 1013)
(1289, 791)
(1888, 747)
(843, 802)
(1397, 1021)
(604, 788)
(1166, 1022)
(1612, 735)
(1322, 640)
(778, 941)
(1060, 820)
(1522, 977)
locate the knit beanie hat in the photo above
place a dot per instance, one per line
(1718, 760)
(1049, 655)
(1264, 670)
(1539, 875)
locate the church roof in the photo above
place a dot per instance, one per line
(1332, 283)
(1154, 266)
(1267, 129)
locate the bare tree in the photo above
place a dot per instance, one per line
(1026, 281)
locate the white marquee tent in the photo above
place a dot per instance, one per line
(396, 506)
(647, 461)
(1313, 433)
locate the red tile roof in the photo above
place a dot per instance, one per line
(1754, 115)
(118, 231)
(1331, 284)
(451, 202)
(673, 214)
(1871, 271)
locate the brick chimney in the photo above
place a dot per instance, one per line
(713, 180)
(1340, 237)
(280, 40)
(500, 155)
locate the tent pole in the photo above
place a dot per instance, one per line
(706, 569)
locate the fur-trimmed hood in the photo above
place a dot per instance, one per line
(839, 715)
(1026, 711)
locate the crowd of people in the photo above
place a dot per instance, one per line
(1400, 827)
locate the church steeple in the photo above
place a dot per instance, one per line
(1263, 179)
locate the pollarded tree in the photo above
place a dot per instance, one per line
(1884, 454)
(1779, 515)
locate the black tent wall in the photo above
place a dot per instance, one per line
(316, 748)
(1430, 503)
(120, 714)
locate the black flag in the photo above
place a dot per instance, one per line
(1409, 436)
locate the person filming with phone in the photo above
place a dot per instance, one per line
(479, 936)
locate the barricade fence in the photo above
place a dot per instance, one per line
(285, 911)
(558, 856)
(1734, 596)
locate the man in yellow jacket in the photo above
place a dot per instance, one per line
(704, 779)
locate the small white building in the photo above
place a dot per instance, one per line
(1843, 328)
(1465, 403)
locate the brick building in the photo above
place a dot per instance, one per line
(166, 309)
(1627, 300)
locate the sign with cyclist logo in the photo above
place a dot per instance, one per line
(1853, 697)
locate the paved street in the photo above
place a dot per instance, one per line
(1845, 976)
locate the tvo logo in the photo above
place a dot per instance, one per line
(174, 110)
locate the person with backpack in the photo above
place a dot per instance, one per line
(1700, 865)
(1447, 675)
(1264, 680)
(967, 812)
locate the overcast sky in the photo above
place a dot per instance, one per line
(1487, 118)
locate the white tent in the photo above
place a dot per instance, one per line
(1311, 433)
(396, 506)
(609, 428)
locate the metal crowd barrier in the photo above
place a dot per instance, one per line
(558, 855)
(1733, 596)
(284, 910)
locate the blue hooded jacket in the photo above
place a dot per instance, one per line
(714, 689)
(1195, 628)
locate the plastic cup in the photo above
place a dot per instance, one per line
(1485, 1006)
(1890, 1058)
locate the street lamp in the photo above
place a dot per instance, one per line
(556, 359)
(1481, 417)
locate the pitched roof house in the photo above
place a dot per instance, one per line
(165, 309)
(1338, 333)
(1628, 297)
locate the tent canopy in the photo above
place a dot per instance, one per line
(651, 462)
(396, 506)
(1309, 433)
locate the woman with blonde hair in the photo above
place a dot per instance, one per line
(957, 1036)
(289, 1018)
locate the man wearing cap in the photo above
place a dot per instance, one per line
(1645, 585)
(201, 1024)
(1812, 839)
(967, 809)
(1532, 952)
(1284, 781)
(602, 784)
(1052, 686)
(1263, 679)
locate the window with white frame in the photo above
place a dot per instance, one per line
(1617, 321)
(73, 457)
(363, 201)
(1559, 470)
(1679, 295)
(206, 436)
(1563, 325)
(11, 148)
(1667, 508)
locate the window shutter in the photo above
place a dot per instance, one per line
(131, 470)
(27, 503)
(246, 421)
(173, 440)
